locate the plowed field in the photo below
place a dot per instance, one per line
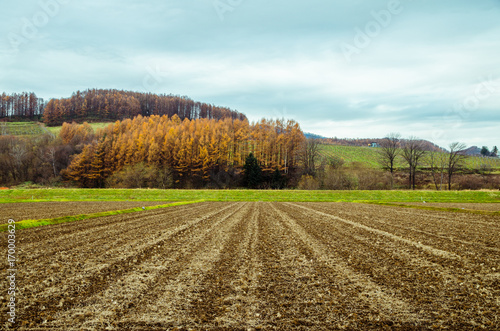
(42, 210)
(470, 206)
(261, 265)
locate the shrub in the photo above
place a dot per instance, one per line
(469, 182)
(141, 175)
(308, 182)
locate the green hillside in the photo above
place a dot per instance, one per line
(351, 154)
(369, 157)
(35, 128)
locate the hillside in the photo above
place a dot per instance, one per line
(104, 105)
(366, 142)
(369, 157)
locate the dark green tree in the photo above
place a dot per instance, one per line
(494, 151)
(252, 173)
(277, 180)
(485, 151)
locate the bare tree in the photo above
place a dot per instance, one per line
(413, 149)
(310, 154)
(389, 151)
(438, 163)
(19, 156)
(50, 156)
(455, 159)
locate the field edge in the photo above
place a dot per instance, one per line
(26, 224)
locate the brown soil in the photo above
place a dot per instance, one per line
(470, 206)
(43, 210)
(249, 266)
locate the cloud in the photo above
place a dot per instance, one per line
(273, 59)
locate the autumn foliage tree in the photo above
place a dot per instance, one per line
(110, 105)
(25, 105)
(192, 149)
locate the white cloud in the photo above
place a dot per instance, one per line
(274, 59)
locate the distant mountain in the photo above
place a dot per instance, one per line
(369, 142)
(473, 151)
(309, 135)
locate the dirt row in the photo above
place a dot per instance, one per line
(469, 206)
(447, 286)
(250, 266)
(53, 209)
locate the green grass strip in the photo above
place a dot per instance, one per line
(57, 194)
(25, 224)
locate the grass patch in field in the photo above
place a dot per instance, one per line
(21, 129)
(25, 224)
(98, 125)
(34, 195)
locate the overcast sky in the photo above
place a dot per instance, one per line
(357, 68)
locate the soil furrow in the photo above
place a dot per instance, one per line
(260, 265)
(81, 230)
(68, 292)
(184, 297)
(441, 290)
(382, 301)
(112, 230)
(52, 209)
(429, 249)
(477, 257)
(431, 234)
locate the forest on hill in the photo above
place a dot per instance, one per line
(190, 151)
(167, 152)
(99, 105)
(25, 105)
(158, 151)
(167, 141)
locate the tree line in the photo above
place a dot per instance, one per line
(425, 167)
(167, 152)
(25, 105)
(156, 151)
(413, 150)
(485, 151)
(108, 105)
(193, 150)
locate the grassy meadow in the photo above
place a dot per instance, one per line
(21, 128)
(50, 194)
